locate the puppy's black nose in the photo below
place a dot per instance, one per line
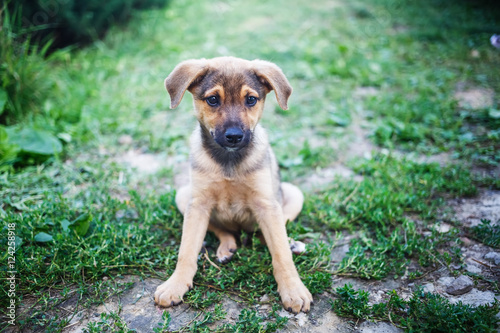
(234, 135)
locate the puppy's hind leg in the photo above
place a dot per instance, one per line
(227, 246)
(293, 200)
(182, 198)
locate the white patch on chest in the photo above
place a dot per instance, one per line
(232, 210)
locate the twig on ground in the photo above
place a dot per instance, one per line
(71, 325)
(210, 261)
(352, 194)
(485, 264)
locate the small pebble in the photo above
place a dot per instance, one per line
(265, 307)
(473, 269)
(265, 298)
(443, 228)
(461, 285)
(428, 288)
(301, 319)
(284, 313)
(493, 257)
(495, 41)
(445, 280)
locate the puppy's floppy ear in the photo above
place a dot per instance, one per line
(273, 78)
(183, 75)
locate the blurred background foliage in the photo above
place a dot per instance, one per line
(69, 22)
(31, 33)
(411, 55)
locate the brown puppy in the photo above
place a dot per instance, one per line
(234, 181)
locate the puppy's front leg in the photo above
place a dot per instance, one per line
(294, 294)
(194, 229)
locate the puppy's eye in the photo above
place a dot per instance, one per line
(251, 100)
(212, 100)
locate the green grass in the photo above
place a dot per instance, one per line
(25, 78)
(487, 233)
(82, 215)
(423, 312)
(378, 207)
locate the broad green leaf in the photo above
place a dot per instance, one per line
(495, 114)
(65, 137)
(43, 237)
(65, 225)
(339, 120)
(3, 100)
(35, 141)
(81, 224)
(8, 151)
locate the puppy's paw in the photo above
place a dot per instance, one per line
(170, 292)
(297, 247)
(226, 251)
(295, 296)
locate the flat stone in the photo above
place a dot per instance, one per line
(376, 297)
(493, 257)
(301, 319)
(445, 280)
(390, 284)
(461, 285)
(473, 269)
(428, 288)
(471, 211)
(327, 322)
(355, 283)
(338, 253)
(466, 241)
(475, 298)
(284, 313)
(443, 228)
(265, 298)
(379, 327)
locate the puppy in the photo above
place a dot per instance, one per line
(234, 176)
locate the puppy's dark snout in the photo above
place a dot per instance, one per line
(234, 135)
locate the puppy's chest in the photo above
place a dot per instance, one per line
(233, 209)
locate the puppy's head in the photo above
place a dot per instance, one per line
(228, 94)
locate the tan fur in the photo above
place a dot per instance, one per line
(245, 196)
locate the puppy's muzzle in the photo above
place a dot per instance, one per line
(233, 138)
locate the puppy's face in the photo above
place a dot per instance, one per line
(229, 95)
(229, 102)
